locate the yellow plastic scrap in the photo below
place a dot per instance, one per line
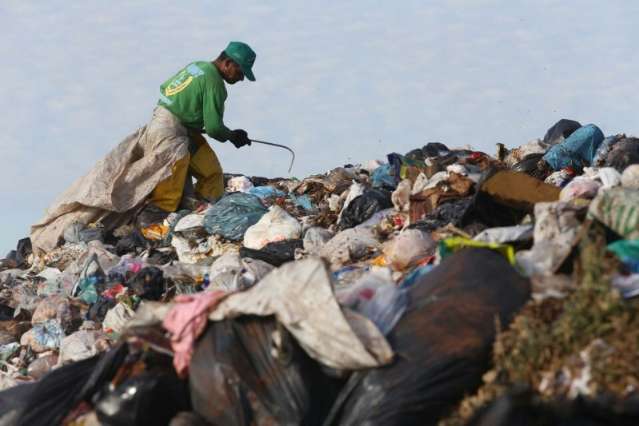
(155, 232)
(451, 245)
(379, 261)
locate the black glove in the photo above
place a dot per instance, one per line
(239, 138)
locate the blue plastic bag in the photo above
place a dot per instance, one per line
(233, 214)
(577, 151)
(383, 177)
(303, 201)
(265, 192)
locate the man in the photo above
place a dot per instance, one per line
(151, 167)
(195, 96)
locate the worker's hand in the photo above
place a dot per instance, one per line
(239, 138)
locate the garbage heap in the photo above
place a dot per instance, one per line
(442, 286)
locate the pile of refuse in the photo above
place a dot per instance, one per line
(441, 286)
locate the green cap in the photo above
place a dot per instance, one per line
(243, 55)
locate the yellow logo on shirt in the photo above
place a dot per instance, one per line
(181, 85)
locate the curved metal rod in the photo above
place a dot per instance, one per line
(279, 146)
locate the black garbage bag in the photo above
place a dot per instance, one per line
(250, 368)
(448, 212)
(560, 131)
(443, 343)
(150, 398)
(528, 164)
(623, 154)
(519, 408)
(148, 283)
(365, 206)
(131, 243)
(416, 154)
(52, 397)
(435, 149)
(23, 250)
(13, 401)
(275, 253)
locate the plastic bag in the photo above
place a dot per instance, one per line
(623, 154)
(617, 209)
(383, 177)
(630, 177)
(150, 398)
(265, 192)
(560, 131)
(401, 196)
(276, 225)
(506, 234)
(577, 151)
(604, 149)
(81, 345)
(314, 239)
(444, 339)
(407, 247)
(44, 336)
(231, 273)
(580, 187)
(239, 184)
(607, 176)
(275, 253)
(116, 318)
(233, 214)
(349, 245)
(78, 232)
(255, 372)
(90, 281)
(363, 207)
(375, 296)
(148, 283)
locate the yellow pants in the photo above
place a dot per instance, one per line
(203, 165)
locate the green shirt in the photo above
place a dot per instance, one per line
(196, 96)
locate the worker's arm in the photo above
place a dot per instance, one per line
(213, 110)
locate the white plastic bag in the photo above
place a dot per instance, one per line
(407, 247)
(630, 177)
(580, 187)
(276, 225)
(239, 184)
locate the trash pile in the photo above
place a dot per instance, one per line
(441, 286)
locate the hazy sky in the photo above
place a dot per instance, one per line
(338, 81)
